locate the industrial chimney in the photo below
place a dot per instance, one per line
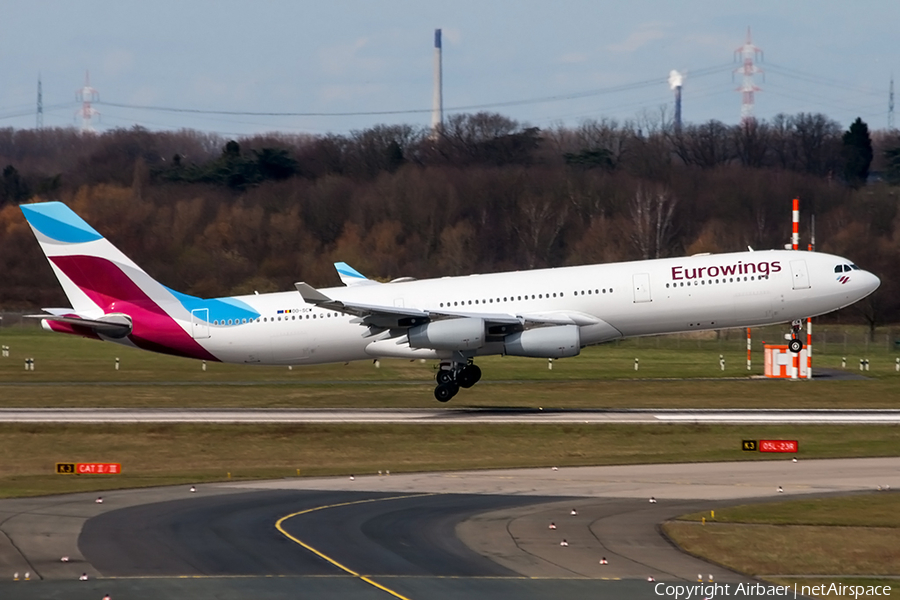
(437, 106)
(675, 81)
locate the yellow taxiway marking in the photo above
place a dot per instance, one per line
(278, 526)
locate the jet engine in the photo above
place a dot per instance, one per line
(545, 342)
(450, 334)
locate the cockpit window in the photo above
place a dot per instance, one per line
(855, 268)
(839, 269)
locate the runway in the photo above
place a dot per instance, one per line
(480, 534)
(449, 415)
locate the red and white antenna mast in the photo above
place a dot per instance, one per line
(86, 95)
(748, 53)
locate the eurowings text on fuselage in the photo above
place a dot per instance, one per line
(545, 313)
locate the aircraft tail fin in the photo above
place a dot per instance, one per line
(93, 273)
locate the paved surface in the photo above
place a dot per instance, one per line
(477, 535)
(686, 481)
(444, 415)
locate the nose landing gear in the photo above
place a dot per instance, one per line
(796, 344)
(454, 375)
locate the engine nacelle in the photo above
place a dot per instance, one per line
(450, 334)
(545, 342)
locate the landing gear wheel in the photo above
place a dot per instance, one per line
(444, 376)
(445, 391)
(795, 346)
(468, 376)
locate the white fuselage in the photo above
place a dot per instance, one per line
(607, 301)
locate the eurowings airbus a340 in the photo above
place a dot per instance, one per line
(546, 313)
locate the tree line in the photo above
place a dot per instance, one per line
(214, 216)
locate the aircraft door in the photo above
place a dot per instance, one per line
(642, 287)
(799, 274)
(200, 323)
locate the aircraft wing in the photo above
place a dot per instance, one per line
(386, 317)
(397, 317)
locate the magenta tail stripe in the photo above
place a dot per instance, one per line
(113, 291)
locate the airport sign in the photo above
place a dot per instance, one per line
(778, 446)
(88, 468)
(748, 446)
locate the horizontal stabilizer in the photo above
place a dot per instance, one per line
(112, 325)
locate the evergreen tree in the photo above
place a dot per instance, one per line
(12, 187)
(892, 171)
(857, 153)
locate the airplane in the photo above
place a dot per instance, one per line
(543, 313)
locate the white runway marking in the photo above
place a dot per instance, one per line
(445, 415)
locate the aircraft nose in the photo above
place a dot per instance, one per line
(871, 283)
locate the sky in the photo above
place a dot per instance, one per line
(541, 63)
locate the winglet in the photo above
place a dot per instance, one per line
(349, 275)
(310, 294)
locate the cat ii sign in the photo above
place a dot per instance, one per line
(88, 468)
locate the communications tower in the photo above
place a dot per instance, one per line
(86, 95)
(748, 53)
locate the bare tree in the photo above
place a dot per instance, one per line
(651, 213)
(751, 141)
(541, 217)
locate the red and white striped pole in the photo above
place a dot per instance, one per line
(795, 245)
(795, 236)
(809, 348)
(748, 348)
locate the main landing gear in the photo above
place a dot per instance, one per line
(452, 376)
(796, 345)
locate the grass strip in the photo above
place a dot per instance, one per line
(847, 540)
(157, 454)
(865, 510)
(760, 550)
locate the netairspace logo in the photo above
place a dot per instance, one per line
(758, 590)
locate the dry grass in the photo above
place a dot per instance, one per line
(838, 537)
(792, 549)
(864, 510)
(169, 453)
